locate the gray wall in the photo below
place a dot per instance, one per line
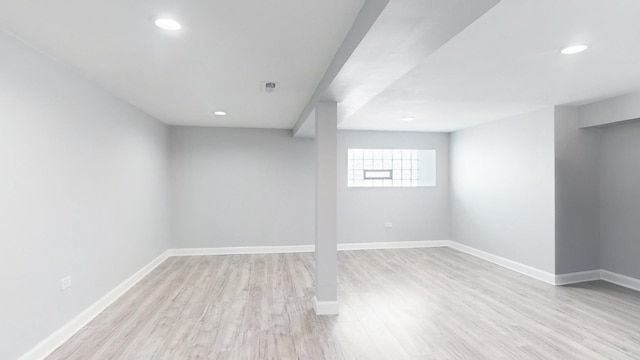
(502, 188)
(577, 193)
(620, 199)
(82, 193)
(243, 187)
(416, 213)
(240, 187)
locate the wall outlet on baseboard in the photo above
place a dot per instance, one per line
(388, 225)
(65, 283)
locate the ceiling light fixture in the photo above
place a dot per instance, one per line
(220, 113)
(168, 24)
(574, 49)
(408, 118)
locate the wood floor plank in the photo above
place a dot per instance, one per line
(395, 304)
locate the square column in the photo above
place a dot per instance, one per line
(326, 254)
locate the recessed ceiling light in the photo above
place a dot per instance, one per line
(408, 118)
(168, 24)
(220, 113)
(574, 49)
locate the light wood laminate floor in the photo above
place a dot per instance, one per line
(433, 303)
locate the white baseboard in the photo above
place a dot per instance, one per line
(393, 245)
(578, 277)
(248, 250)
(509, 264)
(326, 307)
(622, 280)
(243, 250)
(558, 280)
(60, 336)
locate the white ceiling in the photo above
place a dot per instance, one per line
(508, 62)
(402, 36)
(216, 62)
(406, 33)
(505, 63)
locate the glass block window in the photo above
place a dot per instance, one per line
(391, 168)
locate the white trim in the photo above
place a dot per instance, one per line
(578, 277)
(558, 280)
(619, 279)
(243, 250)
(247, 250)
(393, 245)
(509, 264)
(326, 307)
(60, 336)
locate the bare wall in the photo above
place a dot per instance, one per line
(416, 214)
(255, 187)
(503, 191)
(240, 187)
(577, 193)
(620, 198)
(82, 193)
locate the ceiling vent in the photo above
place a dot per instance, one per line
(268, 86)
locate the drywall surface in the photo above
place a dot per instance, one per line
(502, 188)
(82, 193)
(415, 214)
(620, 198)
(609, 111)
(240, 187)
(577, 193)
(326, 198)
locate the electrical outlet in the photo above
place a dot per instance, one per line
(388, 225)
(65, 283)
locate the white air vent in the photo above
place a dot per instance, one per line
(269, 86)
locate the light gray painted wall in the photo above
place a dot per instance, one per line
(82, 193)
(577, 193)
(608, 111)
(416, 213)
(252, 187)
(620, 199)
(240, 187)
(502, 188)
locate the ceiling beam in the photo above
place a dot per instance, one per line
(365, 19)
(609, 111)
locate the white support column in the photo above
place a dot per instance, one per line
(326, 299)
